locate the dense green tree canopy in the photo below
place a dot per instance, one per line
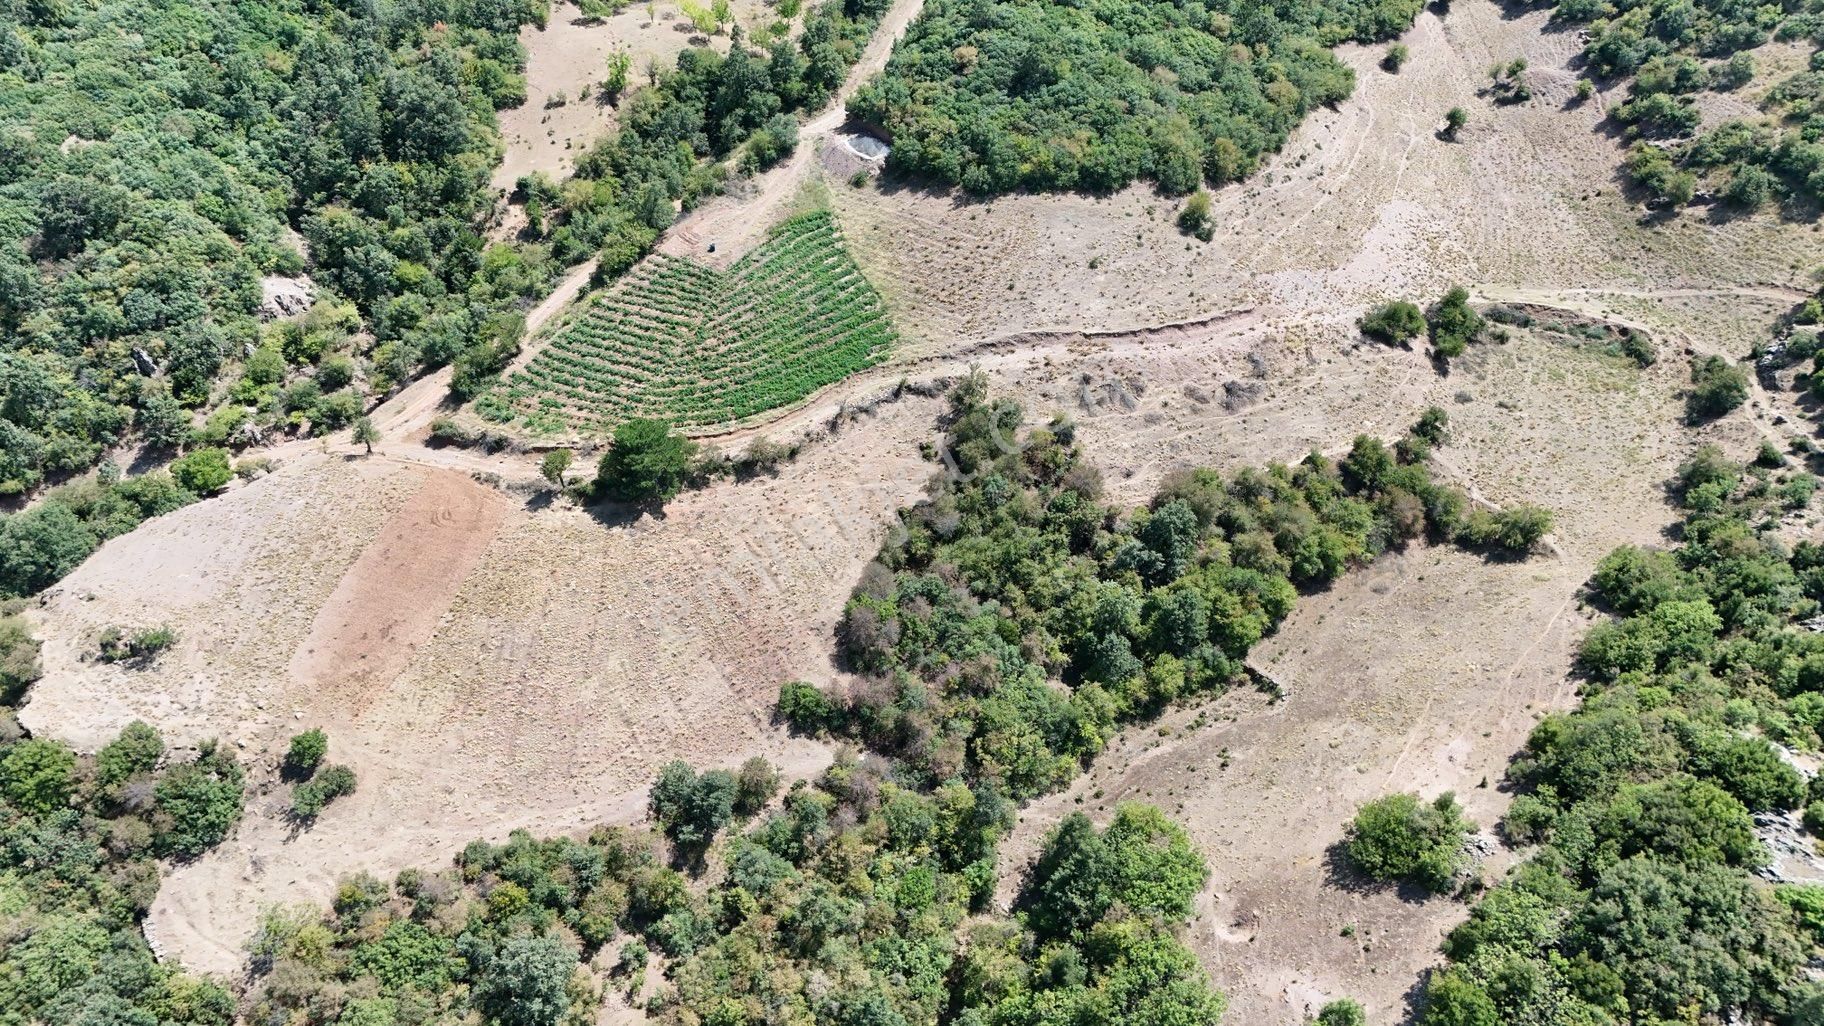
(996, 95)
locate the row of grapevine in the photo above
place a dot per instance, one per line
(702, 348)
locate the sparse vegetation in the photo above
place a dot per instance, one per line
(1133, 610)
(142, 646)
(108, 817)
(1748, 161)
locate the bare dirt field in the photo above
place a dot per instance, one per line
(550, 660)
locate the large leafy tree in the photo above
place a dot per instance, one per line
(647, 462)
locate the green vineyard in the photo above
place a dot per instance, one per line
(701, 347)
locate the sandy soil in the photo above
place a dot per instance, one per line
(567, 657)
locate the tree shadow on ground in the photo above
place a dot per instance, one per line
(1341, 874)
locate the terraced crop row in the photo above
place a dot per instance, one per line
(701, 347)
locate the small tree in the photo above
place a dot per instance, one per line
(202, 471)
(1394, 323)
(620, 62)
(366, 433)
(1401, 838)
(646, 462)
(1194, 216)
(555, 465)
(1454, 120)
(306, 752)
(756, 784)
(1395, 58)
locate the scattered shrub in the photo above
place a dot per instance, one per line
(203, 471)
(306, 752)
(1395, 323)
(1400, 838)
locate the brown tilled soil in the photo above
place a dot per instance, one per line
(389, 602)
(567, 656)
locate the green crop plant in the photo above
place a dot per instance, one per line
(678, 341)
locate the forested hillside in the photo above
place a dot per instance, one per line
(155, 161)
(996, 95)
(351, 143)
(1669, 52)
(1639, 904)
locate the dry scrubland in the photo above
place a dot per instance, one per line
(570, 55)
(485, 662)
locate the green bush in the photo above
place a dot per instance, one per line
(306, 752)
(1399, 838)
(312, 796)
(1142, 862)
(1453, 324)
(1342, 1012)
(1717, 387)
(1394, 323)
(37, 776)
(692, 808)
(203, 471)
(200, 802)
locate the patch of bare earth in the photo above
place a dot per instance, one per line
(482, 665)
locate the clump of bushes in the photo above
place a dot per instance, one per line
(1453, 324)
(316, 785)
(1717, 387)
(203, 471)
(143, 646)
(1395, 323)
(1402, 839)
(326, 785)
